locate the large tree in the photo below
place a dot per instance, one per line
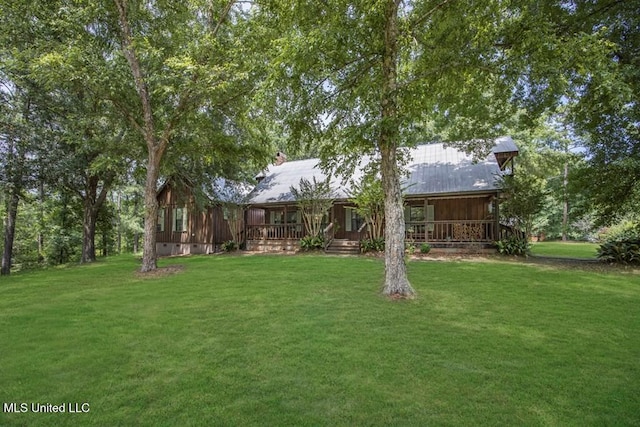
(606, 109)
(188, 61)
(366, 77)
(178, 73)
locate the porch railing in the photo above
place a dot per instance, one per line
(275, 231)
(421, 231)
(451, 231)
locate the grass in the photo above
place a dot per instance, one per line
(308, 340)
(559, 249)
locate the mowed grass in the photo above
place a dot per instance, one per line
(559, 249)
(308, 340)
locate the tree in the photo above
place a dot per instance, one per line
(16, 141)
(361, 78)
(368, 198)
(184, 65)
(178, 73)
(314, 200)
(606, 109)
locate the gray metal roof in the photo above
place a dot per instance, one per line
(434, 169)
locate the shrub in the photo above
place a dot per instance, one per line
(622, 252)
(425, 248)
(229, 246)
(623, 231)
(513, 245)
(372, 245)
(309, 243)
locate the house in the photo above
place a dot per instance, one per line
(189, 226)
(451, 200)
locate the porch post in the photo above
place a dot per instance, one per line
(496, 212)
(426, 219)
(285, 232)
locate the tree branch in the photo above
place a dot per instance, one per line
(224, 15)
(433, 10)
(136, 70)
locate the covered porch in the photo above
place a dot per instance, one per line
(444, 221)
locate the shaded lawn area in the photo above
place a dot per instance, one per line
(307, 340)
(579, 250)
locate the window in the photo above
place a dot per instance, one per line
(353, 221)
(180, 219)
(276, 217)
(416, 213)
(160, 223)
(292, 217)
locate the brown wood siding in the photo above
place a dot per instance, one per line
(200, 227)
(339, 219)
(475, 208)
(221, 232)
(256, 216)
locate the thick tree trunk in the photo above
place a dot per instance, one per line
(149, 256)
(92, 204)
(396, 282)
(9, 233)
(89, 232)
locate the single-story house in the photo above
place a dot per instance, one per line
(451, 201)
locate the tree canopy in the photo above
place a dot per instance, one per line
(371, 78)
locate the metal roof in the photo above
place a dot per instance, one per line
(433, 169)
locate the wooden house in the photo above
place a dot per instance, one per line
(187, 226)
(451, 200)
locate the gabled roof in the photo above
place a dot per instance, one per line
(434, 169)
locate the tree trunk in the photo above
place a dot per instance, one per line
(396, 282)
(92, 204)
(9, 233)
(41, 221)
(89, 232)
(565, 202)
(149, 256)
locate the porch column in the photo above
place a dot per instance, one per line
(496, 212)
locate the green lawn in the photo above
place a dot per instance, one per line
(308, 340)
(560, 249)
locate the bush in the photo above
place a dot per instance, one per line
(425, 248)
(513, 245)
(621, 252)
(623, 231)
(310, 243)
(229, 246)
(372, 245)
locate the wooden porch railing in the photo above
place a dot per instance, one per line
(421, 231)
(451, 231)
(275, 231)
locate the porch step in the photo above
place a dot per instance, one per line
(343, 247)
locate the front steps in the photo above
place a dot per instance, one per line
(343, 247)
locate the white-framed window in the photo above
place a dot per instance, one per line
(180, 219)
(160, 223)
